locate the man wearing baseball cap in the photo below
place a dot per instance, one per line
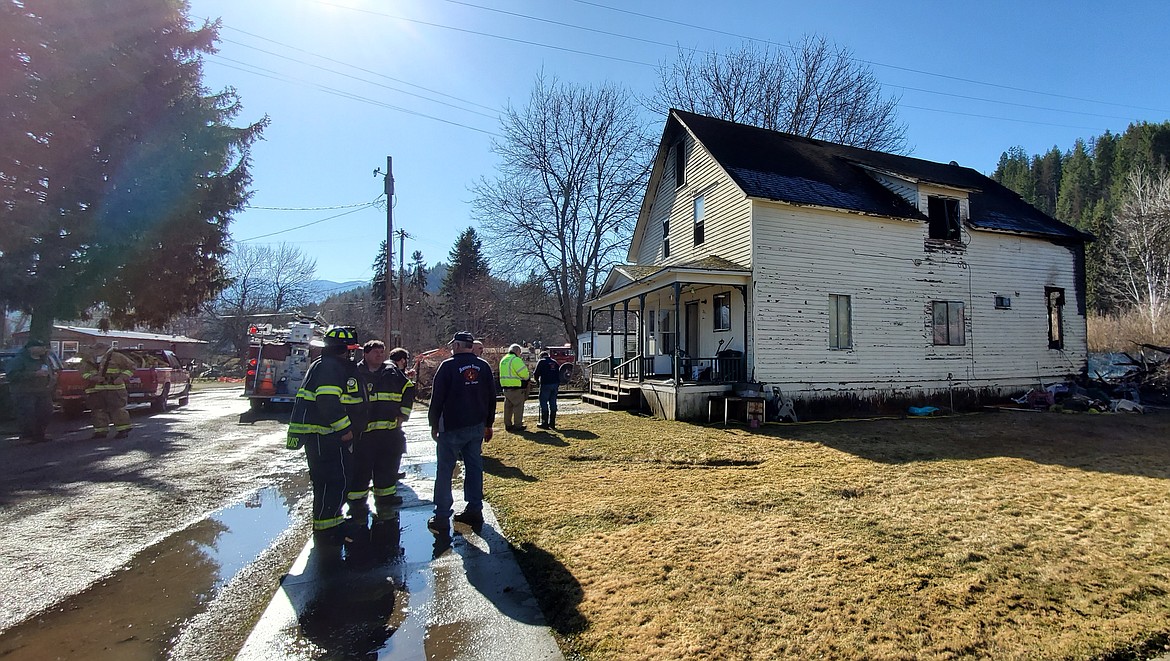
(462, 410)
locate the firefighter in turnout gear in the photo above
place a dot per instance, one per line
(389, 396)
(321, 424)
(106, 373)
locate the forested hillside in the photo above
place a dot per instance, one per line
(1087, 186)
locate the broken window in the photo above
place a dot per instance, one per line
(840, 322)
(680, 163)
(1055, 300)
(944, 218)
(947, 323)
(666, 237)
(698, 207)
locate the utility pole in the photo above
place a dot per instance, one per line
(389, 249)
(401, 272)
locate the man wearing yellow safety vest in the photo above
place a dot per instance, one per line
(514, 381)
(378, 450)
(321, 424)
(106, 373)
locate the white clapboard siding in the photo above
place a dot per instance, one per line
(803, 255)
(727, 220)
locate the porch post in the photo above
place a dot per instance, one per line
(743, 294)
(642, 336)
(612, 364)
(625, 325)
(677, 304)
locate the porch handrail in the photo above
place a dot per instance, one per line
(592, 364)
(619, 369)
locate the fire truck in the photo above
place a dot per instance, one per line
(278, 359)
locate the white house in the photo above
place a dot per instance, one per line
(837, 273)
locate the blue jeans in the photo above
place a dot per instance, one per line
(548, 402)
(467, 441)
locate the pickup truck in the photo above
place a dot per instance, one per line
(158, 377)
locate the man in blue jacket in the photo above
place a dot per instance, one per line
(461, 413)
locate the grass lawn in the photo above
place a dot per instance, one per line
(1007, 535)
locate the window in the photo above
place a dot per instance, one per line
(680, 163)
(840, 322)
(666, 238)
(1055, 299)
(722, 305)
(1003, 302)
(651, 336)
(666, 332)
(944, 218)
(69, 349)
(586, 349)
(699, 236)
(948, 323)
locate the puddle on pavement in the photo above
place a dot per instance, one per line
(136, 612)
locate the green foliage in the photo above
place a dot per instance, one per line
(118, 171)
(1084, 186)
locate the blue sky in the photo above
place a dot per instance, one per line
(347, 83)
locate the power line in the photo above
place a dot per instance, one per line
(331, 208)
(870, 62)
(260, 71)
(353, 66)
(315, 222)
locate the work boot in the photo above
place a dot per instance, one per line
(470, 518)
(552, 420)
(439, 526)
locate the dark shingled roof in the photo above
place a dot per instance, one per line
(789, 168)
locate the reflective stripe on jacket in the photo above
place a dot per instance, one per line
(114, 364)
(512, 371)
(320, 406)
(390, 395)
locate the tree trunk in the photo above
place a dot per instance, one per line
(41, 327)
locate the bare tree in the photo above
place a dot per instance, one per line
(264, 279)
(574, 167)
(288, 273)
(812, 89)
(1138, 250)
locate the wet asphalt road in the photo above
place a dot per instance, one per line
(170, 544)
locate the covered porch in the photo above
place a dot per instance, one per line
(691, 327)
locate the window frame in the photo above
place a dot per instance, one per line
(667, 341)
(949, 324)
(835, 329)
(719, 324)
(666, 237)
(680, 162)
(942, 225)
(1054, 303)
(698, 212)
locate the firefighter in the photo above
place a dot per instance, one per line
(106, 373)
(321, 424)
(378, 451)
(31, 379)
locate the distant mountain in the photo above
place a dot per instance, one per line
(321, 289)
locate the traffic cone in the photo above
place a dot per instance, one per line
(267, 387)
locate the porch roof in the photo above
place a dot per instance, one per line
(628, 281)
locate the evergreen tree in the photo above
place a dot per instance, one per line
(1076, 187)
(468, 291)
(1015, 172)
(119, 172)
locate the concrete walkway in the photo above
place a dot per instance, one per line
(400, 593)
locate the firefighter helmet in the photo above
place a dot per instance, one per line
(340, 336)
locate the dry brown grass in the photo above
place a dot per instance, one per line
(1005, 536)
(1123, 332)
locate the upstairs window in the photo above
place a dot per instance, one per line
(944, 218)
(840, 322)
(947, 323)
(680, 163)
(722, 305)
(1055, 299)
(666, 238)
(698, 207)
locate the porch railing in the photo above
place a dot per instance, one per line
(627, 369)
(712, 370)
